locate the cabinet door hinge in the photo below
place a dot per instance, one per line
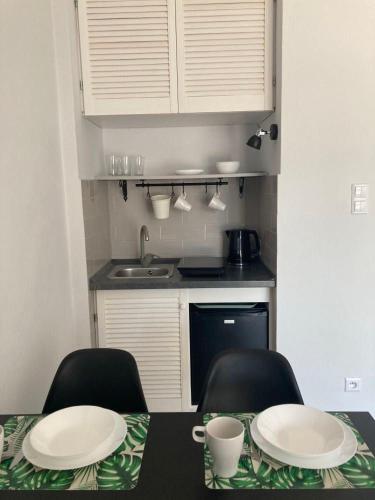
(81, 85)
(274, 81)
(76, 4)
(95, 317)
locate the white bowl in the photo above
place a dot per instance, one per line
(301, 431)
(73, 432)
(227, 167)
(102, 451)
(345, 452)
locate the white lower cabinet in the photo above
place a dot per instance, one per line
(153, 325)
(146, 323)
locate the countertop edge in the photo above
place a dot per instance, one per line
(99, 280)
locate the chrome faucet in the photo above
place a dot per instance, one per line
(144, 236)
(145, 259)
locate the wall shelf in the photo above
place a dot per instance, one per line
(175, 176)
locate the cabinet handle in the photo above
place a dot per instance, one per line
(182, 306)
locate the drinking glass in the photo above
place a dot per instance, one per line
(116, 165)
(111, 164)
(139, 165)
(126, 165)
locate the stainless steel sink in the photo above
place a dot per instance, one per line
(139, 272)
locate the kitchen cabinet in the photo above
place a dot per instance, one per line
(224, 54)
(153, 325)
(169, 56)
(128, 56)
(146, 323)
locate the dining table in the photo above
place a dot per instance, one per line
(173, 469)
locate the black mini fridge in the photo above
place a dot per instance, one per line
(218, 327)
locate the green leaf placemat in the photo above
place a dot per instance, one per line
(257, 470)
(119, 471)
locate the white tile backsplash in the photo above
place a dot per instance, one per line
(112, 226)
(198, 232)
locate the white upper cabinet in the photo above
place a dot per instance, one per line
(169, 56)
(128, 55)
(224, 55)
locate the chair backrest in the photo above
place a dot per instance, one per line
(245, 380)
(100, 377)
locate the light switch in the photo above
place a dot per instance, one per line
(360, 194)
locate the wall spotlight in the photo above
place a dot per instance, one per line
(255, 141)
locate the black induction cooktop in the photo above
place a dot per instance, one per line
(201, 266)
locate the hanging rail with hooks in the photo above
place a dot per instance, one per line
(144, 184)
(183, 184)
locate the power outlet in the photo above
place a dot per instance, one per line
(353, 384)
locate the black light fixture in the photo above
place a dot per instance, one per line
(255, 141)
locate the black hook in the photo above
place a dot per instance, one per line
(183, 188)
(124, 188)
(241, 185)
(148, 192)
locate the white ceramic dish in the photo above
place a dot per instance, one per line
(73, 432)
(347, 450)
(191, 171)
(227, 167)
(65, 463)
(301, 431)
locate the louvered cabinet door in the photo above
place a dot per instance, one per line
(128, 56)
(224, 54)
(146, 323)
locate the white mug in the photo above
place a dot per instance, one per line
(224, 437)
(216, 204)
(182, 204)
(160, 205)
(1, 440)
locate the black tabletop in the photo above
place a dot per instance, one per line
(172, 468)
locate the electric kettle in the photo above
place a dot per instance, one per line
(244, 246)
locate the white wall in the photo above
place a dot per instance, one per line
(97, 224)
(261, 202)
(169, 148)
(326, 264)
(37, 322)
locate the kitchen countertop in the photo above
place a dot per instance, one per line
(254, 276)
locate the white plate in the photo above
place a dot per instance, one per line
(73, 431)
(346, 452)
(102, 451)
(301, 431)
(192, 171)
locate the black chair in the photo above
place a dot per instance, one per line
(248, 380)
(100, 377)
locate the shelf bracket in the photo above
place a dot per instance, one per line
(124, 188)
(241, 185)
